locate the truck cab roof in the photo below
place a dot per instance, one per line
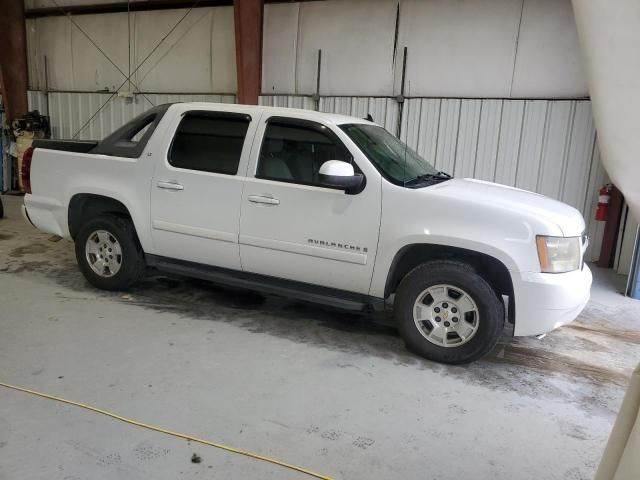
(333, 118)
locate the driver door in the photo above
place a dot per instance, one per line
(294, 228)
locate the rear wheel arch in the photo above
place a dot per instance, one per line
(493, 270)
(86, 206)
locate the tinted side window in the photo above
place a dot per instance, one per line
(209, 142)
(295, 152)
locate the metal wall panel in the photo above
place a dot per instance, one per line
(447, 140)
(383, 110)
(464, 48)
(488, 138)
(71, 110)
(626, 242)
(289, 101)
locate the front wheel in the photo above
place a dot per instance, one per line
(448, 313)
(109, 253)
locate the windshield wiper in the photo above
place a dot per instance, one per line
(439, 176)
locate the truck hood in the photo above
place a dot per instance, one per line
(515, 200)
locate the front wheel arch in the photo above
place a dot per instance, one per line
(490, 268)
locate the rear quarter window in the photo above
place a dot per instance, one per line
(209, 142)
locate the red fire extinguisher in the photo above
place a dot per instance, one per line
(604, 197)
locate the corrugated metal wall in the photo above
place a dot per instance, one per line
(70, 111)
(546, 146)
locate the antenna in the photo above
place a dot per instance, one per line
(406, 147)
(401, 99)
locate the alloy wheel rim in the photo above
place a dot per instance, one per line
(103, 253)
(446, 315)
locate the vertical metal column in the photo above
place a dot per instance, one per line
(248, 25)
(633, 282)
(13, 60)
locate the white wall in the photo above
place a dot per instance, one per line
(549, 61)
(461, 48)
(198, 56)
(457, 48)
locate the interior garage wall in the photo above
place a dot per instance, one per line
(462, 48)
(70, 111)
(197, 57)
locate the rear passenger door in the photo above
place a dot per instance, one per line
(197, 186)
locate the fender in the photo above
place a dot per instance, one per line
(385, 264)
(138, 217)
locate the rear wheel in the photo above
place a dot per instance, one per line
(448, 313)
(109, 253)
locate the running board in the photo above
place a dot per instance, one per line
(269, 285)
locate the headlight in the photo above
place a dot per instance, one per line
(558, 254)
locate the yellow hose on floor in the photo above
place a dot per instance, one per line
(169, 432)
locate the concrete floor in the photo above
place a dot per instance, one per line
(322, 389)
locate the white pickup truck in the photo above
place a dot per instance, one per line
(320, 207)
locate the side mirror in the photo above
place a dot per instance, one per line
(336, 173)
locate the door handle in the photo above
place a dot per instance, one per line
(170, 185)
(263, 199)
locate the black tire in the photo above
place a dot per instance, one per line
(132, 264)
(490, 321)
(1, 209)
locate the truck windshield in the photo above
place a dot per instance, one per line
(393, 159)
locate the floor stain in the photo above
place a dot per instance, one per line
(630, 336)
(33, 248)
(558, 363)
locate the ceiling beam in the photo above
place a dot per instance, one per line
(134, 6)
